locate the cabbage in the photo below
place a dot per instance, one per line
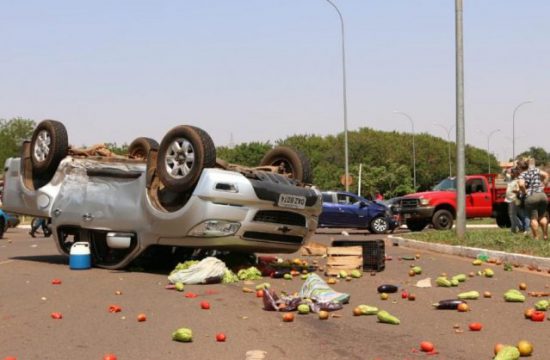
(251, 273)
(183, 335)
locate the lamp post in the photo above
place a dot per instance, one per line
(448, 131)
(514, 128)
(489, 146)
(414, 149)
(343, 94)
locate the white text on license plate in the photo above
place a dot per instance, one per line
(292, 201)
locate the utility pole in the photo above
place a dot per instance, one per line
(460, 138)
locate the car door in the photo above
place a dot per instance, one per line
(478, 199)
(351, 212)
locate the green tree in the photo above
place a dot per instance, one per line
(12, 134)
(119, 150)
(247, 154)
(539, 154)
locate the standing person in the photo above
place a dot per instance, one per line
(531, 183)
(514, 202)
(38, 223)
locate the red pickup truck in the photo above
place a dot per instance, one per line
(484, 198)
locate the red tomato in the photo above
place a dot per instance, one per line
(10, 358)
(56, 316)
(141, 317)
(404, 295)
(288, 317)
(426, 346)
(220, 337)
(110, 357)
(190, 295)
(537, 316)
(56, 282)
(260, 293)
(475, 326)
(205, 305)
(114, 308)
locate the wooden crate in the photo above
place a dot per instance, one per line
(314, 249)
(345, 258)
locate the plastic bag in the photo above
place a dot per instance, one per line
(208, 271)
(272, 302)
(318, 290)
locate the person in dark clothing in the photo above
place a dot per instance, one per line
(39, 223)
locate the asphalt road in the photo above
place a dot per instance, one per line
(88, 331)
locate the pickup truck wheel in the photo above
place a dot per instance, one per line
(503, 220)
(416, 225)
(290, 161)
(140, 147)
(183, 153)
(442, 220)
(49, 145)
(379, 225)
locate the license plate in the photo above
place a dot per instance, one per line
(292, 201)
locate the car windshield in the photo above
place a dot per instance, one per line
(446, 185)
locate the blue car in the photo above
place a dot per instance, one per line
(348, 210)
(6, 221)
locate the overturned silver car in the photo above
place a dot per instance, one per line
(176, 195)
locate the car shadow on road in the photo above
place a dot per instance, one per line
(50, 259)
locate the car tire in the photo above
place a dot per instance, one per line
(293, 161)
(416, 225)
(49, 145)
(140, 147)
(503, 220)
(183, 153)
(379, 225)
(442, 220)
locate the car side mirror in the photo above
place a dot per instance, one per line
(362, 204)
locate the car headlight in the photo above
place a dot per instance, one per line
(424, 202)
(215, 228)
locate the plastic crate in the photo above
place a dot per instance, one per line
(374, 252)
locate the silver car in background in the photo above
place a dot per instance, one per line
(176, 194)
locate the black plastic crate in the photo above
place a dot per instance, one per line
(374, 252)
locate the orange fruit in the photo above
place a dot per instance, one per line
(463, 307)
(323, 315)
(522, 286)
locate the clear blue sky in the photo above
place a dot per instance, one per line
(265, 69)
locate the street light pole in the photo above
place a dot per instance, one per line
(489, 146)
(514, 128)
(448, 131)
(414, 149)
(346, 159)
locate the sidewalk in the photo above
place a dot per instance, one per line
(471, 252)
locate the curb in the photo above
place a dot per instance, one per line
(471, 252)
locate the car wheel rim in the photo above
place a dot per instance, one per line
(42, 146)
(380, 225)
(443, 222)
(180, 158)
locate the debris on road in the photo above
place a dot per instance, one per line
(182, 335)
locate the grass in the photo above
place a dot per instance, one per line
(493, 239)
(481, 221)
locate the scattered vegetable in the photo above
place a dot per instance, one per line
(459, 277)
(110, 357)
(303, 309)
(451, 304)
(477, 262)
(475, 326)
(489, 272)
(443, 282)
(426, 346)
(417, 270)
(205, 305)
(508, 353)
(260, 293)
(343, 274)
(323, 315)
(356, 274)
(368, 310)
(114, 309)
(56, 282)
(56, 316)
(412, 297)
(463, 307)
(522, 286)
(141, 317)
(263, 286)
(537, 316)
(220, 337)
(229, 277)
(183, 335)
(514, 295)
(387, 288)
(469, 295)
(251, 273)
(184, 265)
(386, 318)
(288, 317)
(542, 305)
(179, 286)
(525, 348)
(384, 296)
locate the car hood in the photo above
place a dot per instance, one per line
(426, 194)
